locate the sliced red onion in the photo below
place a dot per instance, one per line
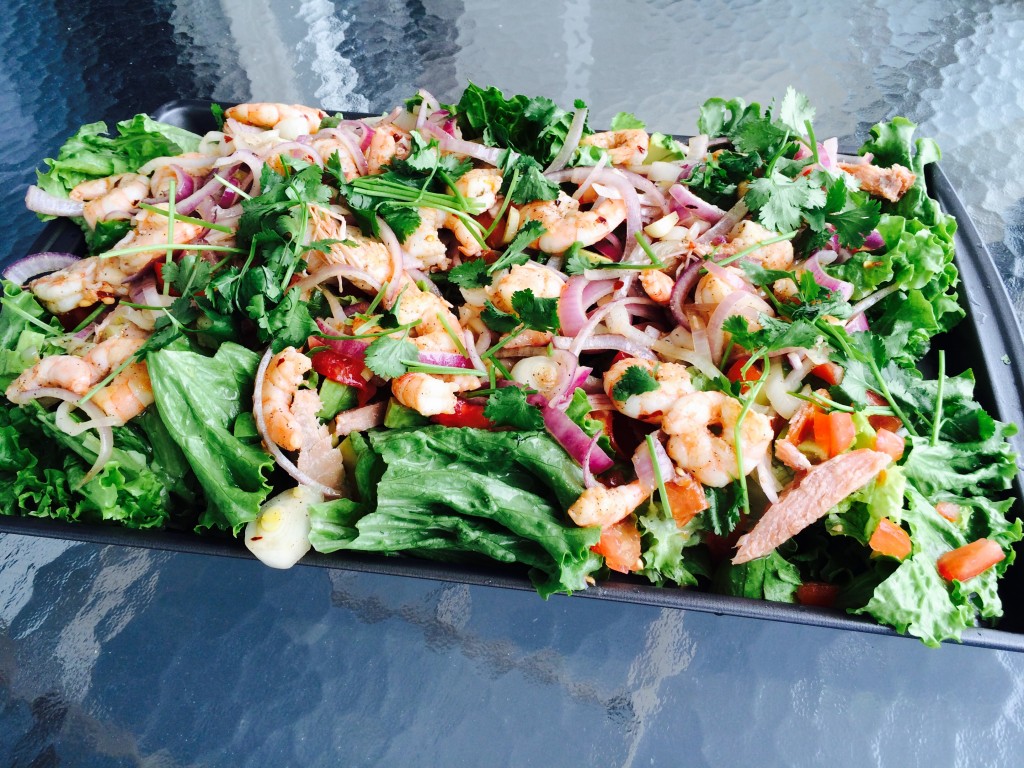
(428, 105)
(725, 224)
(598, 316)
(582, 188)
(237, 128)
(144, 292)
(250, 160)
(588, 477)
(389, 239)
(575, 441)
(610, 247)
(188, 205)
(294, 146)
(649, 188)
(473, 350)
(570, 374)
(360, 419)
(449, 143)
(614, 179)
(577, 296)
(43, 202)
(351, 143)
(813, 265)
(96, 416)
(874, 241)
(446, 359)
(728, 277)
(261, 426)
(766, 479)
(603, 341)
(687, 202)
(25, 269)
(64, 422)
(644, 465)
(366, 281)
(354, 348)
(858, 323)
(599, 401)
(681, 290)
(827, 152)
(572, 141)
(864, 159)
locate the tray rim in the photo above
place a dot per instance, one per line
(990, 302)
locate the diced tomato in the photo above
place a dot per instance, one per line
(890, 423)
(735, 372)
(466, 415)
(874, 398)
(830, 373)
(803, 417)
(948, 510)
(686, 497)
(834, 431)
(620, 546)
(817, 593)
(890, 540)
(344, 370)
(889, 442)
(968, 561)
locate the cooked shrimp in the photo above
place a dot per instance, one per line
(701, 429)
(330, 145)
(625, 147)
(566, 223)
(128, 395)
(605, 507)
(424, 244)
(388, 142)
(890, 183)
(429, 310)
(160, 181)
(425, 394)
(529, 338)
(357, 250)
(115, 195)
(657, 285)
(480, 186)
(748, 233)
(673, 383)
(544, 282)
(282, 380)
(271, 115)
(712, 289)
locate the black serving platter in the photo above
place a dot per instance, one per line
(989, 341)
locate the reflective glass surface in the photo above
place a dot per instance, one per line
(122, 657)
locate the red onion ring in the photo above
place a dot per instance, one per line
(729, 306)
(614, 179)
(681, 290)
(261, 426)
(725, 224)
(602, 341)
(582, 188)
(729, 278)
(599, 314)
(643, 463)
(577, 296)
(648, 187)
(292, 146)
(575, 441)
(389, 239)
(23, 270)
(588, 477)
(813, 265)
(688, 203)
(352, 144)
(340, 271)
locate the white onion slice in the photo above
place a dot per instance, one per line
(572, 141)
(40, 201)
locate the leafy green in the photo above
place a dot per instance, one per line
(663, 545)
(497, 320)
(624, 121)
(635, 380)
(535, 312)
(724, 508)
(780, 201)
(514, 251)
(508, 408)
(470, 274)
(767, 578)
(455, 492)
(198, 399)
(523, 179)
(530, 126)
(91, 154)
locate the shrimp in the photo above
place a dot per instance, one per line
(271, 115)
(114, 195)
(356, 250)
(605, 507)
(701, 429)
(424, 244)
(625, 147)
(480, 186)
(281, 383)
(545, 283)
(712, 289)
(128, 395)
(890, 183)
(673, 383)
(566, 223)
(747, 233)
(432, 312)
(657, 285)
(388, 143)
(330, 145)
(428, 395)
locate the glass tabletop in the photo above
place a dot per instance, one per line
(112, 656)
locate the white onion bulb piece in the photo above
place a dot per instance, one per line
(279, 536)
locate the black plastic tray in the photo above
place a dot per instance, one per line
(988, 338)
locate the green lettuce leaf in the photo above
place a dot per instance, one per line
(198, 399)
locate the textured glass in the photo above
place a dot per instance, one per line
(123, 657)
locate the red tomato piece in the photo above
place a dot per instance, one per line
(344, 370)
(948, 510)
(466, 415)
(620, 546)
(735, 372)
(686, 498)
(817, 593)
(968, 561)
(834, 431)
(890, 540)
(890, 443)
(830, 373)
(891, 423)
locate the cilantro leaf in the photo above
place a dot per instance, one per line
(288, 324)
(508, 408)
(536, 313)
(635, 380)
(576, 261)
(779, 201)
(523, 179)
(470, 274)
(626, 121)
(774, 334)
(385, 355)
(724, 507)
(498, 321)
(795, 110)
(514, 252)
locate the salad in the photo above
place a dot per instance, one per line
(486, 331)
